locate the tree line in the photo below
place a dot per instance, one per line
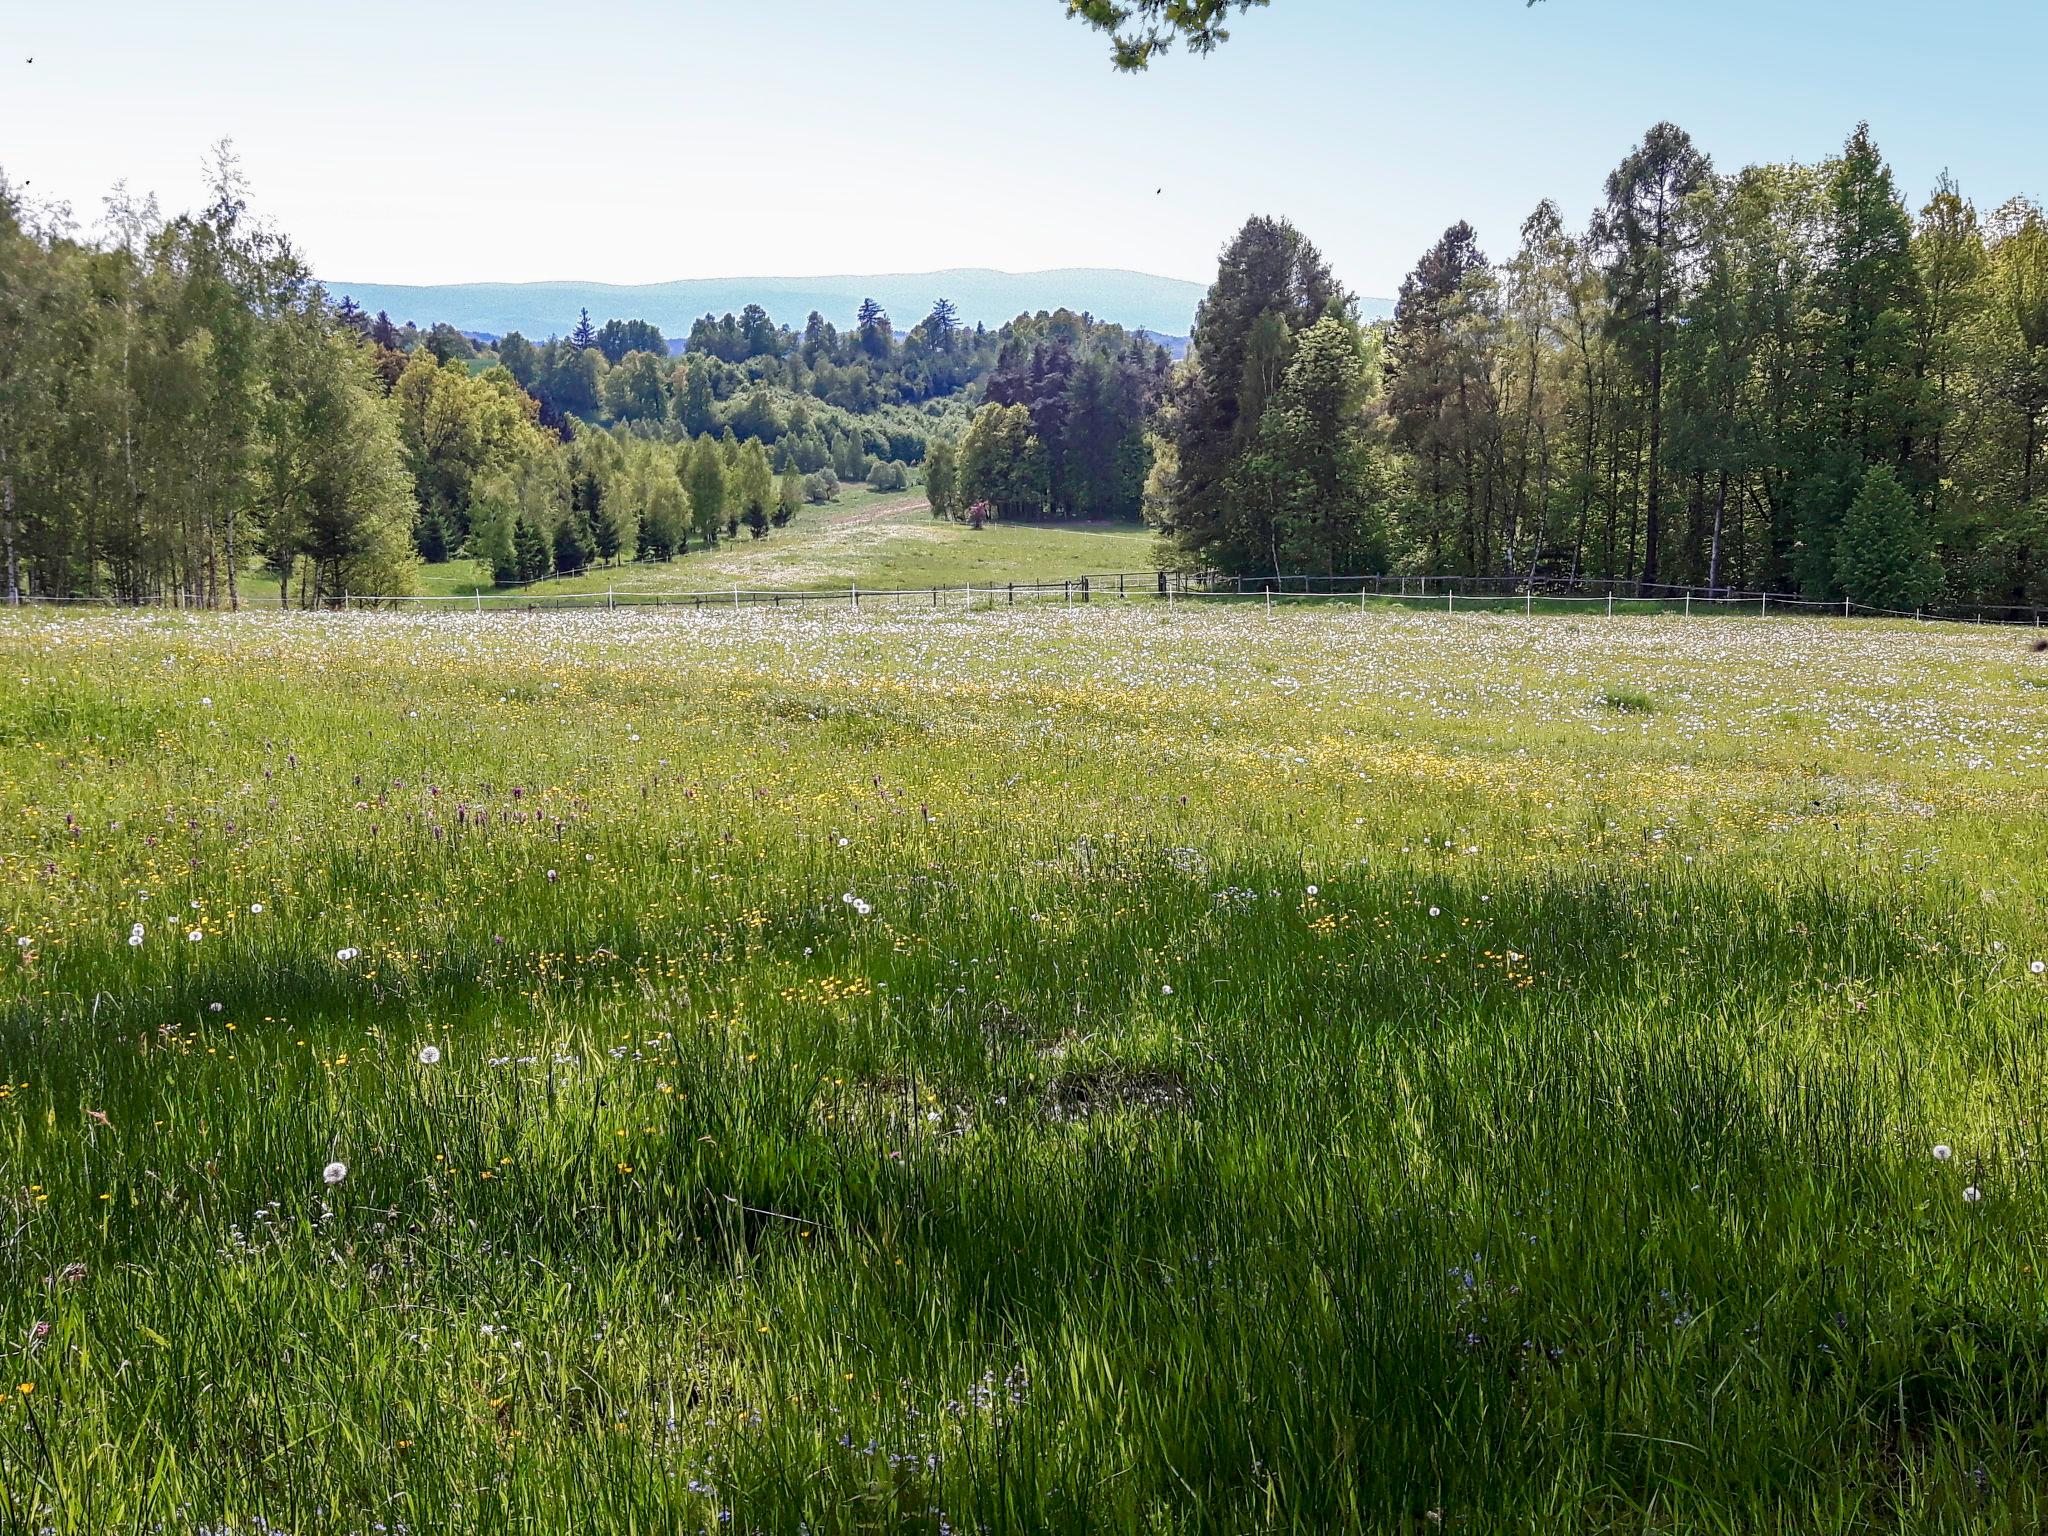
(1775, 378)
(184, 411)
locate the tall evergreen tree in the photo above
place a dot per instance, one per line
(1649, 228)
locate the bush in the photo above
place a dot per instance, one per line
(821, 487)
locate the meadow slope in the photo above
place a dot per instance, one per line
(1061, 1070)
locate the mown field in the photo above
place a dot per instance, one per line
(1064, 1070)
(872, 539)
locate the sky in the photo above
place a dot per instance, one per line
(630, 141)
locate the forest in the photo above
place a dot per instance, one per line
(1780, 378)
(185, 411)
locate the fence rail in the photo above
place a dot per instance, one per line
(1451, 594)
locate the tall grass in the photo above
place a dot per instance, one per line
(1047, 1073)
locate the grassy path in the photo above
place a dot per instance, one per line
(869, 538)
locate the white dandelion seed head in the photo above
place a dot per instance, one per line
(256, 908)
(429, 1055)
(1973, 1194)
(1166, 989)
(1436, 911)
(334, 1173)
(2039, 967)
(346, 955)
(1943, 1152)
(23, 942)
(135, 940)
(195, 935)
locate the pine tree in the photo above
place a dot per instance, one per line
(529, 550)
(584, 336)
(1649, 229)
(1883, 555)
(1271, 285)
(572, 545)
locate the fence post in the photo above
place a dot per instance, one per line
(1764, 608)
(1845, 607)
(1084, 589)
(1451, 601)
(1528, 602)
(1688, 602)
(1013, 594)
(607, 596)
(1066, 591)
(735, 595)
(855, 591)
(1269, 600)
(478, 594)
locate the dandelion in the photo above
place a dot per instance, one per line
(1313, 891)
(256, 909)
(2039, 967)
(195, 935)
(1436, 911)
(553, 876)
(1166, 989)
(1972, 1195)
(1943, 1152)
(343, 956)
(430, 1055)
(23, 942)
(334, 1173)
(26, 1388)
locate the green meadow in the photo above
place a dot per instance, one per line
(1070, 1069)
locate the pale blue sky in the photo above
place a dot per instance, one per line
(636, 140)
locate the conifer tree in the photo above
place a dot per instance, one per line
(1883, 555)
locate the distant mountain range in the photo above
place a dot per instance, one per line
(1139, 300)
(983, 296)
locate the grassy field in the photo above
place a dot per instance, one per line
(871, 538)
(1069, 1070)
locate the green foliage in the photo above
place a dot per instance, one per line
(1883, 555)
(1271, 286)
(942, 479)
(179, 399)
(1314, 479)
(1141, 29)
(1003, 463)
(706, 483)
(531, 556)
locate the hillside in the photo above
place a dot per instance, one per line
(866, 538)
(983, 296)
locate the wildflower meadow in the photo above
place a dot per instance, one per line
(1041, 1070)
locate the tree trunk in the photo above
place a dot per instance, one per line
(1720, 510)
(7, 529)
